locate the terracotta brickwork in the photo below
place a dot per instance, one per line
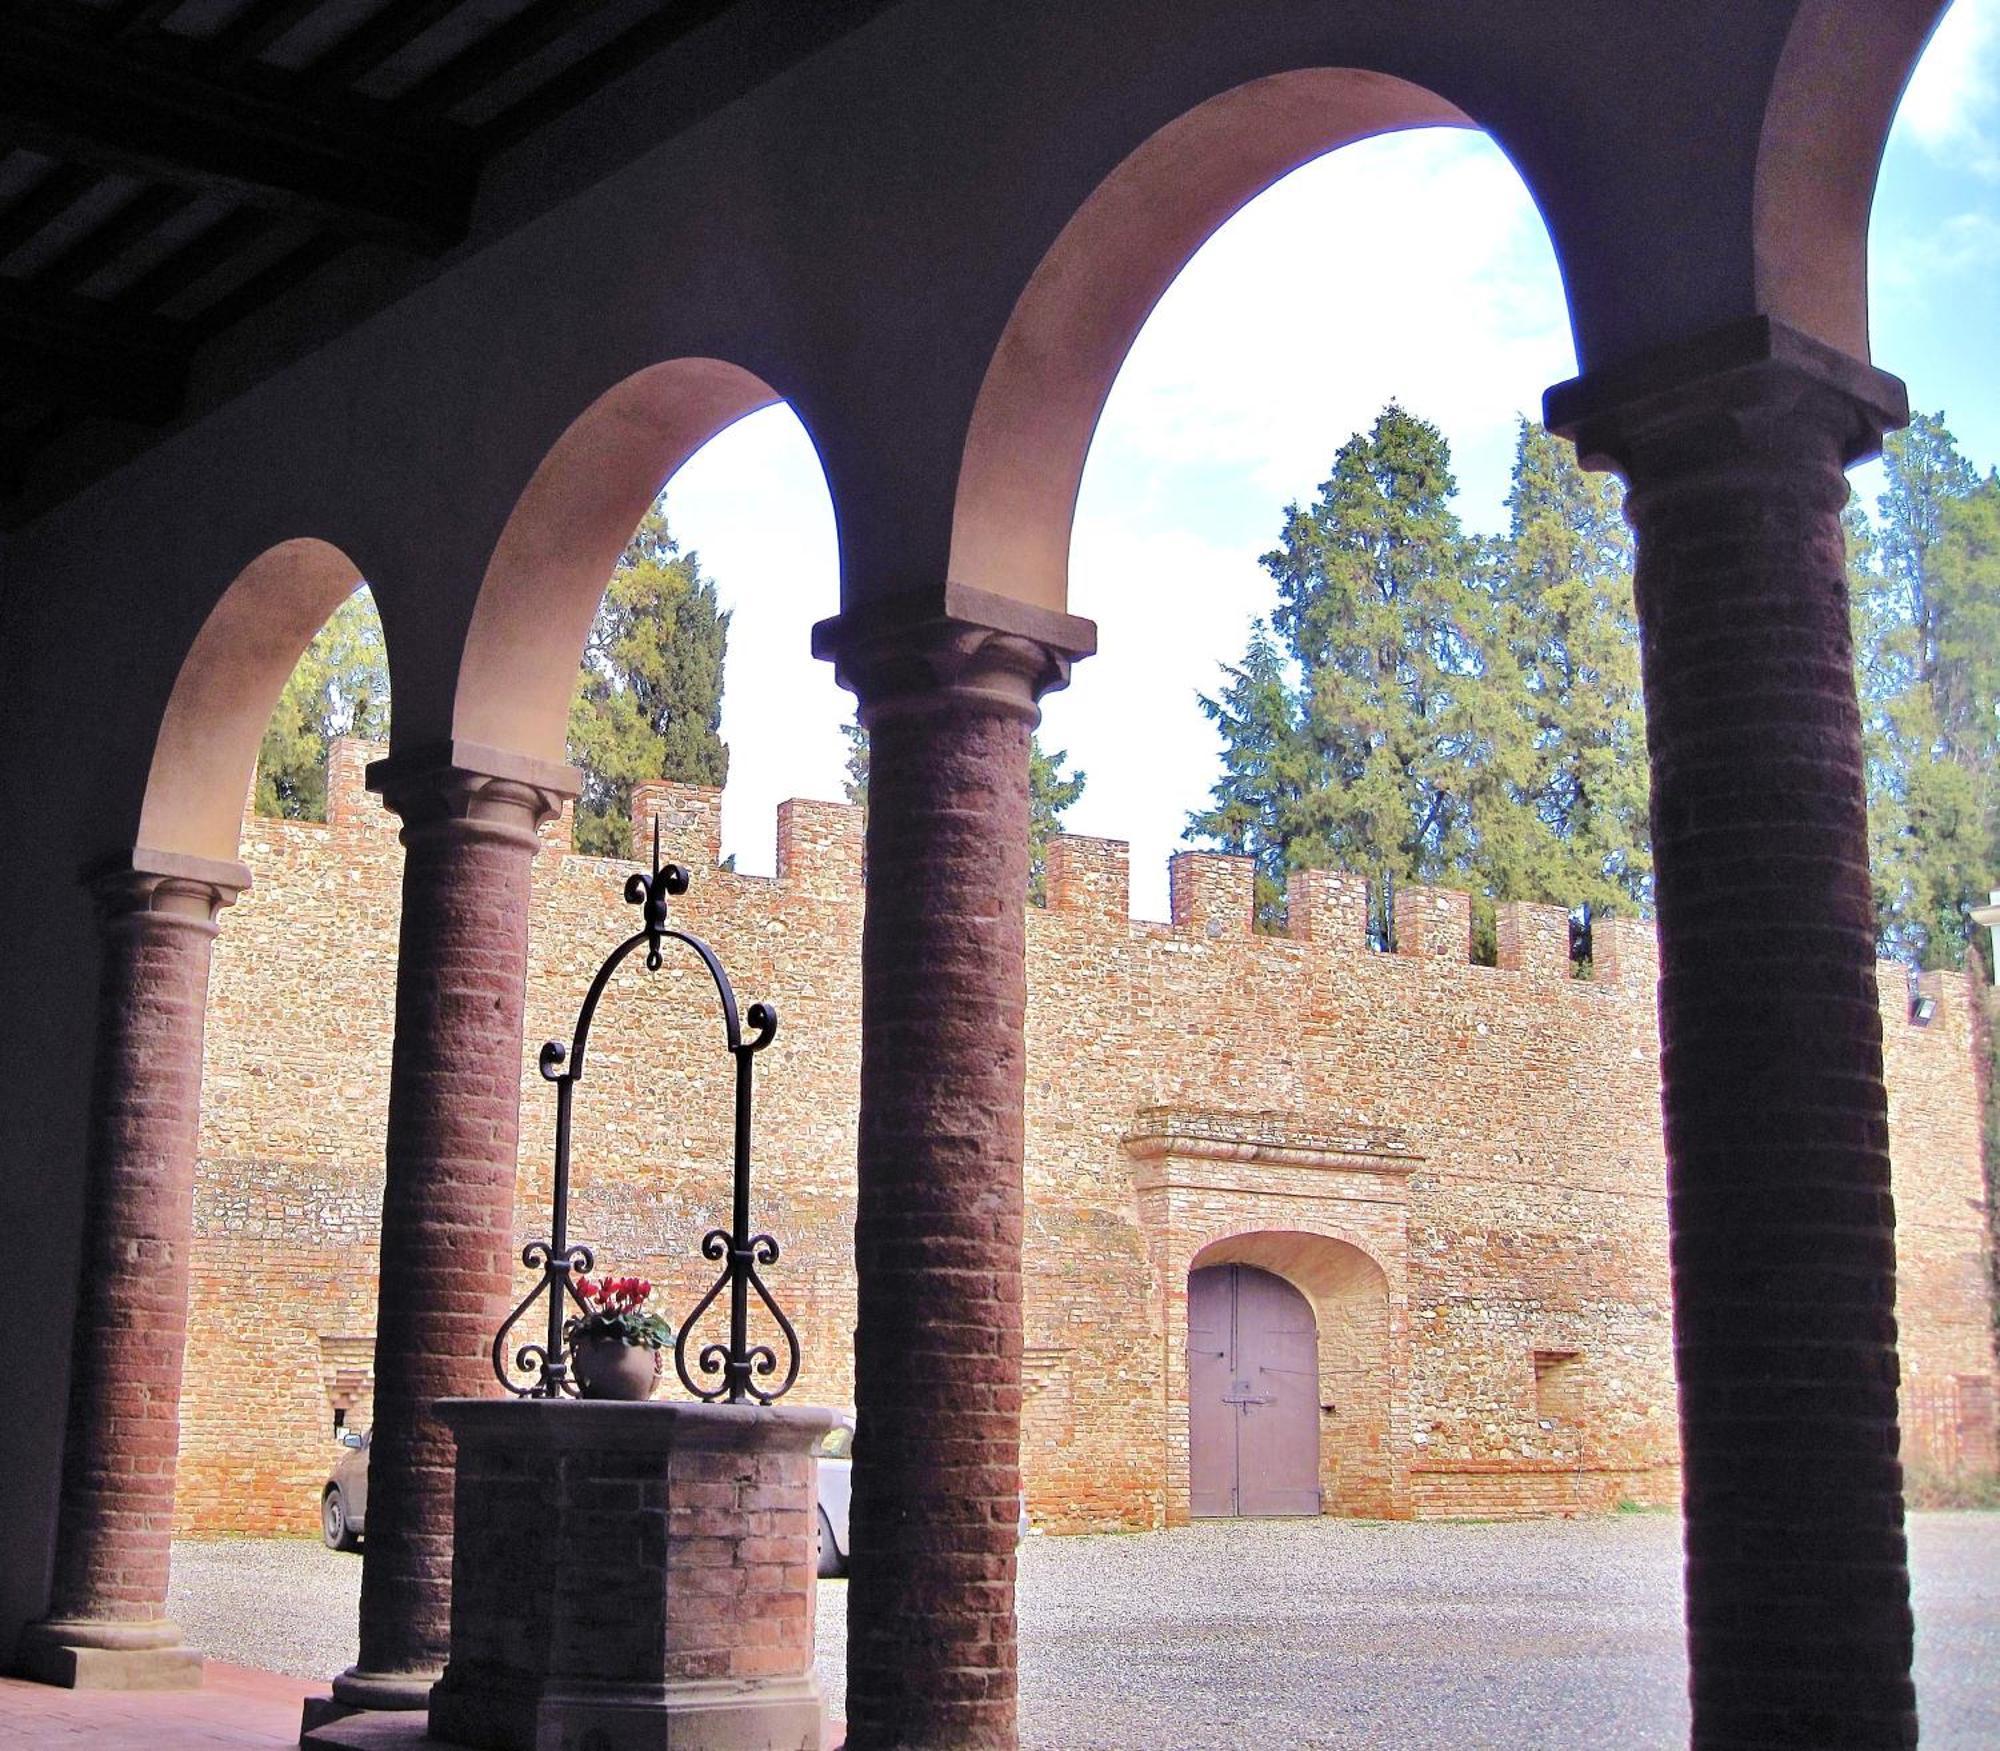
(1460, 1166)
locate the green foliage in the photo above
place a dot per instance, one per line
(1267, 769)
(1051, 791)
(1925, 589)
(1439, 711)
(339, 687)
(650, 701)
(1572, 827)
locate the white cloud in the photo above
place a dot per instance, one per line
(1412, 267)
(753, 504)
(1950, 106)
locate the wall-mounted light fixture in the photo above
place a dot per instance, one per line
(1923, 1006)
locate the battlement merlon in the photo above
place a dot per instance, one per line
(1434, 924)
(690, 823)
(1089, 878)
(820, 846)
(1531, 938)
(1212, 893)
(1329, 907)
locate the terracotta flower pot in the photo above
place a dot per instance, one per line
(612, 1368)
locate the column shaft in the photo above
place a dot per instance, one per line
(1782, 1227)
(114, 1535)
(931, 1631)
(448, 1252)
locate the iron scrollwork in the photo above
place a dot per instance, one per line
(734, 1370)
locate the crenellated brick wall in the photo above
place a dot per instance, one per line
(1459, 1165)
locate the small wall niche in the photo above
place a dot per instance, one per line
(1559, 1386)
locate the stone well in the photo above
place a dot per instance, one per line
(630, 1576)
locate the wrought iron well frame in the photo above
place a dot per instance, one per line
(740, 1364)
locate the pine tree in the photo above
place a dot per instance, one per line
(1265, 767)
(1925, 585)
(1379, 606)
(1572, 828)
(1461, 713)
(339, 687)
(649, 704)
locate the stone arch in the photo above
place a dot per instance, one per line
(205, 755)
(1361, 1376)
(572, 520)
(1833, 100)
(1083, 307)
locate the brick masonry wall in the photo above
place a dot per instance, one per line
(1516, 1209)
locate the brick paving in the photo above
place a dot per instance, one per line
(236, 1706)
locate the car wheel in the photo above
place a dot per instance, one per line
(829, 1552)
(333, 1526)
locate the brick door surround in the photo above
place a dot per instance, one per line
(1326, 1210)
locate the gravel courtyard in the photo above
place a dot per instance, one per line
(1279, 1634)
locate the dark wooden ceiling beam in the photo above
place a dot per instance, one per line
(388, 33)
(103, 244)
(497, 54)
(134, 15)
(48, 199)
(150, 107)
(255, 29)
(87, 356)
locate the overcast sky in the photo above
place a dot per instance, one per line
(1235, 397)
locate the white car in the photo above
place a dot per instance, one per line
(836, 1492)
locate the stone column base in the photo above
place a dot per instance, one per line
(631, 1577)
(767, 1715)
(108, 1656)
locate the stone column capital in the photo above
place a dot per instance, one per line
(1748, 391)
(488, 792)
(925, 650)
(166, 885)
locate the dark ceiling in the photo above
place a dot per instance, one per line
(170, 168)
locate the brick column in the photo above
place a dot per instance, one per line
(1782, 1229)
(948, 688)
(107, 1620)
(448, 1262)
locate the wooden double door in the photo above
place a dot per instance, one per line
(1253, 1395)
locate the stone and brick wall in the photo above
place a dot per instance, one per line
(1459, 1165)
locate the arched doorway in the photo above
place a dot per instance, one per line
(1253, 1395)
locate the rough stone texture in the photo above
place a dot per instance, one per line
(937, 1234)
(626, 1572)
(1778, 1140)
(447, 1227)
(108, 1591)
(1532, 1221)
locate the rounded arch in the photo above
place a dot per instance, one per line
(205, 755)
(1833, 100)
(547, 574)
(1328, 1270)
(1084, 305)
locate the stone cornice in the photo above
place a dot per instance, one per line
(1270, 1139)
